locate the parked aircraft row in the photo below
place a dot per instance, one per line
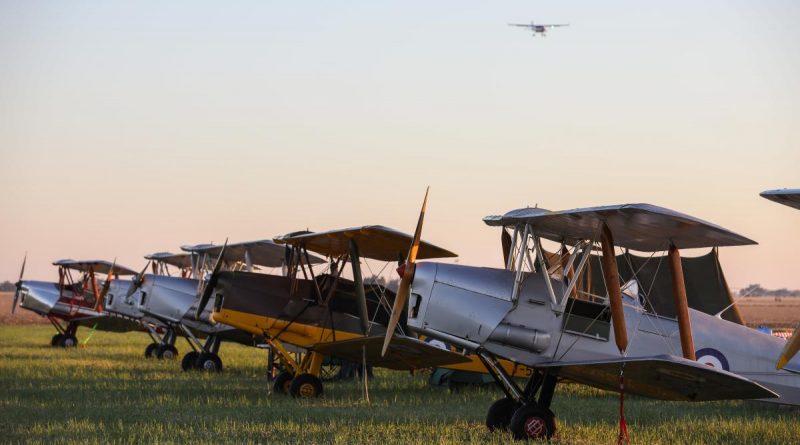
(572, 303)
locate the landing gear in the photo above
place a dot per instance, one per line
(67, 341)
(209, 362)
(500, 413)
(282, 383)
(532, 422)
(301, 379)
(204, 357)
(305, 386)
(521, 412)
(65, 338)
(166, 352)
(189, 360)
(150, 350)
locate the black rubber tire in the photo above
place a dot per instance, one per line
(150, 350)
(68, 341)
(500, 413)
(56, 339)
(282, 383)
(189, 361)
(306, 386)
(166, 352)
(530, 422)
(209, 362)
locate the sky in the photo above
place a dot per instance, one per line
(128, 128)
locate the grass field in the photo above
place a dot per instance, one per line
(108, 393)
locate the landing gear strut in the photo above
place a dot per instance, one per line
(162, 347)
(521, 412)
(204, 357)
(302, 379)
(65, 338)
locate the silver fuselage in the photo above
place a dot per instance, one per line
(472, 308)
(173, 300)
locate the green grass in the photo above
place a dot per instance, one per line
(108, 393)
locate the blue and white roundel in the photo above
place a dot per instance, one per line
(713, 358)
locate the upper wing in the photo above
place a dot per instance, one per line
(555, 26)
(663, 377)
(404, 353)
(376, 242)
(522, 25)
(789, 197)
(642, 227)
(98, 266)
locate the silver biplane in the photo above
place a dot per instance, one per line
(76, 299)
(791, 198)
(536, 312)
(127, 304)
(537, 29)
(173, 300)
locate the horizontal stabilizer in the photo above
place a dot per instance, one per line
(404, 353)
(663, 377)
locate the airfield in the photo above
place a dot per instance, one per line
(107, 392)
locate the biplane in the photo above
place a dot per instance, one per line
(337, 312)
(127, 304)
(76, 299)
(537, 312)
(791, 198)
(172, 300)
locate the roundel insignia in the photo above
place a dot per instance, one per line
(713, 358)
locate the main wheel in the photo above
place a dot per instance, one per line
(189, 361)
(67, 341)
(499, 415)
(532, 422)
(305, 386)
(167, 352)
(56, 339)
(150, 350)
(209, 362)
(282, 383)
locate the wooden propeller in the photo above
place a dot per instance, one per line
(408, 276)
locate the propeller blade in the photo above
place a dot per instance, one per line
(22, 270)
(404, 289)
(790, 350)
(212, 283)
(18, 284)
(137, 283)
(107, 284)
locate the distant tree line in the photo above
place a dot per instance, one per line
(755, 290)
(7, 286)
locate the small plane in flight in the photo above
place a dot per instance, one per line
(538, 29)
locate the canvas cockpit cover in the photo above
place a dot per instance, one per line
(706, 288)
(375, 242)
(179, 260)
(262, 252)
(788, 197)
(642, 227)
(98, 266)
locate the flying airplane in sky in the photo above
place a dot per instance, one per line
(537, 29)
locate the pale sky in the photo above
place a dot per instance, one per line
(133, 127)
